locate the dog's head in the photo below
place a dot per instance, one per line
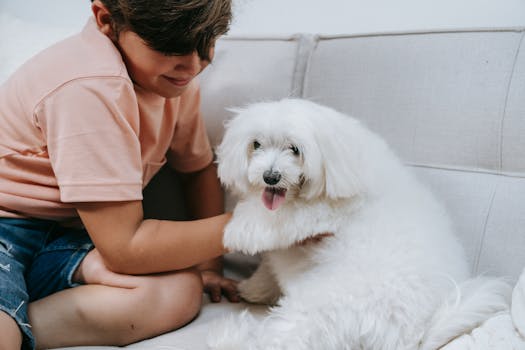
(289, 149)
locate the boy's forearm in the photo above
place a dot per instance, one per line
(160, 245)
(197, 240)
(128, 244)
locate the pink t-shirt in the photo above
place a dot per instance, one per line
(74, 128)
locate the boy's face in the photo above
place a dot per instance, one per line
(167, 76)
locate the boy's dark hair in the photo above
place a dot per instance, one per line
(173, 27)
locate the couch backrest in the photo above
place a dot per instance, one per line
(452, 104)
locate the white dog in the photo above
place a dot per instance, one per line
(392, 277)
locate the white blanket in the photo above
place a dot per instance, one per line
(518, 305)
(504, 331)
(497, 333)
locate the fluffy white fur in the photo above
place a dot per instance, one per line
(393, 276)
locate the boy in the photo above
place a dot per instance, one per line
(84, 126)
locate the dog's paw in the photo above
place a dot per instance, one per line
(257, 293)
(237, 237)
(233, 333)
(252, 232)
(231, 237)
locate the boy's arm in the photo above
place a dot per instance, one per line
(131, 245)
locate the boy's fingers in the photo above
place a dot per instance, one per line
(234, 298)
(230, 290)
(216, 287)
(229, 283)
(215, 294)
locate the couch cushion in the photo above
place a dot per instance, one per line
(245, 71)
(488, 213)
(438, 98)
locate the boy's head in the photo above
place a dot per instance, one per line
(172, 27)
(164, 41)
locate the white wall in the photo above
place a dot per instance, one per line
(27, 26)
(71, 13)
(365, 16)
(267, 17)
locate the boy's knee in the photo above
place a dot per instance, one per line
(175, 299)
(11, 335)
(190, 291)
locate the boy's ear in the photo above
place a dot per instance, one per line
(103, 18)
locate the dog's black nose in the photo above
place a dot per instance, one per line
(271, 177)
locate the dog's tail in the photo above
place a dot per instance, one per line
(472, 303)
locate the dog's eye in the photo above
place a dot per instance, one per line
(256, 145)
(295, 150)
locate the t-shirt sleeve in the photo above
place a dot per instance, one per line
(91, 128)
(190, 148)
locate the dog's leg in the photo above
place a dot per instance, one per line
(293, 326)
(298, 325)
(261, 287)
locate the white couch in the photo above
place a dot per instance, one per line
(450, 102)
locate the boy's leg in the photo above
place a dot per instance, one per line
(11, 338)
(107, 315)
(110, 308)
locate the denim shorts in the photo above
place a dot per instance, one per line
(37, 258)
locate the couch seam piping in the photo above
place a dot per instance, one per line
(308, 65)
(299, 64)
(484, 232)
(505, 104)
(465, 170)
(312, 42)
(326, 36)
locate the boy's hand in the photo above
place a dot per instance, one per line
(92, 270)
(215, 285)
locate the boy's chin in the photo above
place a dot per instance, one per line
(165, 90)
(171, 93)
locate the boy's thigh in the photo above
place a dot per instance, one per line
(53, 267)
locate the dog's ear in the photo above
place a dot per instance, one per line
(232, 156)
(333, 162)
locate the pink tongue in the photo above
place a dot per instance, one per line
(272, 198)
